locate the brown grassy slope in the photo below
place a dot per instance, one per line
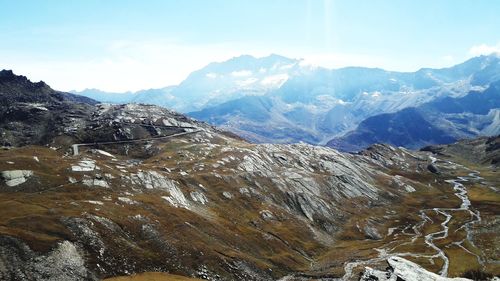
(223, 232)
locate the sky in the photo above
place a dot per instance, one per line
(125, 45)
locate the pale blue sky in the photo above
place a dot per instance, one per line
(119, 45)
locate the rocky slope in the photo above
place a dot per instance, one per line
(154, 191)
(408, 128)
(484, 150)
(33, 113)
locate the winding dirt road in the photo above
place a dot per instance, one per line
(77, 145)
(431, 238)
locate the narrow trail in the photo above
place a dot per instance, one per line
(77, 145)
(431, 239)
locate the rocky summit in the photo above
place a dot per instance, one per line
(93, 191)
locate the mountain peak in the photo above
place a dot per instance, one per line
(242, 57)
(17, 88)
(7, 75)
(250, 59)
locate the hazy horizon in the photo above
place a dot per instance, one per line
(121, 46)
(258, 57)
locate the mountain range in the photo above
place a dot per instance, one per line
(91, 191)
(440, 121)
(280, 100)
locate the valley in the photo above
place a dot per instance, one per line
(94, 191)
(448, 228)
(211, 206)
(443, 237)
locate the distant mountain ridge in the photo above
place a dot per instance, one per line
(321, 104)
(214, 84)
(279, 100)
(438, 122)
(18, 85)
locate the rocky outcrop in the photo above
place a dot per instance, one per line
(19, 262)
(404, 270)
(33, 113)
(16, 177)
(484, 150)
(433, 169)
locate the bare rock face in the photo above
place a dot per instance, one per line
(433, 169)
(64, 262)
(484, 150)
(16, 177)
(402, 269)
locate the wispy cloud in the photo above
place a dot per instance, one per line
(485, 49)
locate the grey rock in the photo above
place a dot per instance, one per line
(16, 177)
(402, 269)
(65, 262)
(433, 168)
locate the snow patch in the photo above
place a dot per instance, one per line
(211, 75)
(246, 82)
(274, 80)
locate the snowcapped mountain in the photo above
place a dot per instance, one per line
(232, 79)
(216, 83)
(320, 104)
(279, 100)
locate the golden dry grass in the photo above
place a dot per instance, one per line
(238, 234)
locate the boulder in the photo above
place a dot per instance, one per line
(16, 177)
(433, 169)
